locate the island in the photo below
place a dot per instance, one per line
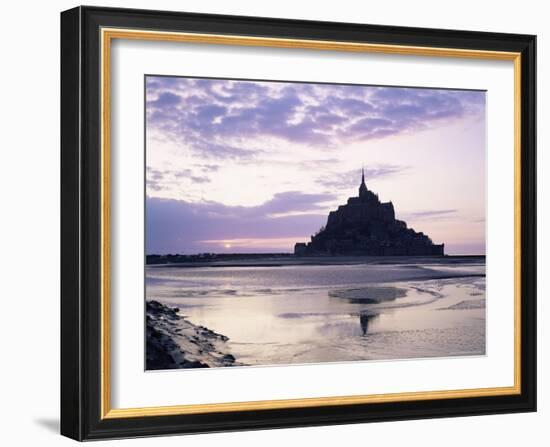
(365, 226)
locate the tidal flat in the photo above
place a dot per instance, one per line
(288, 311)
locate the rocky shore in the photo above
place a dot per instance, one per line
(174, 342)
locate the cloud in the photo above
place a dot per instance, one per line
(431, 214)
(226, 119)
(292, 201)
(157, 180)
(154, 174)
(166, 99)
(350, 179)
(188, 173)
(186, 227)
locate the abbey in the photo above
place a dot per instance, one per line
(366, 226)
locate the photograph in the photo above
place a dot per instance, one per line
(302, 222)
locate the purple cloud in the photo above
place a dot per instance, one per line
(289, 201)
(431, 214)
(218, 118)
(157, 179)
(166, 99)
(185, 227)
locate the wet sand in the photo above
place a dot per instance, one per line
(332, 313)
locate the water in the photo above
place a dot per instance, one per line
(332, 313)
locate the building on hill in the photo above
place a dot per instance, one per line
(366, 226)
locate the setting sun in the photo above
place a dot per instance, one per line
(227, 245)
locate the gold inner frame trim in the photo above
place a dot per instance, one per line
(107, 35)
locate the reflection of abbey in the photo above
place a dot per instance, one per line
(366, 226)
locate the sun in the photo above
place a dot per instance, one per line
(227, 245)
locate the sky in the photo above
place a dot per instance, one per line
(236, 166)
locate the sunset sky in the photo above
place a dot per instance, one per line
(243, 166)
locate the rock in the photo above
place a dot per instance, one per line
(174, 342)
(228, 358)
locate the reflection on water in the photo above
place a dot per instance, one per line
(364, 319)
(303, 314)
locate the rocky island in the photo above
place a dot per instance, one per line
(366, 226)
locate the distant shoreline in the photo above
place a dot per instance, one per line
(284, 259)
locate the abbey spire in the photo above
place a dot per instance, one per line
(362, 188)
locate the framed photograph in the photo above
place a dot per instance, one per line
(276, 223)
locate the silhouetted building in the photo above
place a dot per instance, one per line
(366, 226)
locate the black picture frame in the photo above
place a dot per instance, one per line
(81, 209)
